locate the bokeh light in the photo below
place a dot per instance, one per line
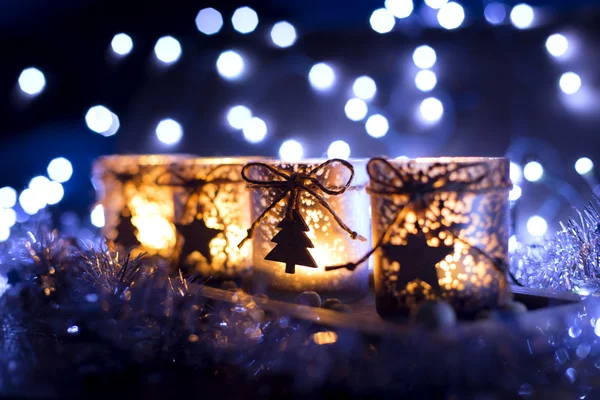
(425, 80)
(31, 202)
(8, 217)
(557, 45)
(60, 169)
(537, 226)
(516, 173)
(364, 87)
(8, 197)
(230, 65)
(382, 20)
(356, 109)
(39, 184)
(569, 83)
(424, 57)
(533, 171)
(54, 193)
(400, 8)
(244, 20)
(169, 131)
(431, 110)
(283, 34)
(321, 76)
(515, 193)
(377, 126)
(495, 13)
(584, 166)
(237, 116)
(255, 130)
(513, 244)
(32, 81)
(209, 21)
(338, 149)
(4, 233)
(101, 120)
(451, 16)
(436, 4)
(522, 16)
(291, 150)
(167, 49)
(97, 216)
(121, 44)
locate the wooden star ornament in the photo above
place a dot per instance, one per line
(196, 237)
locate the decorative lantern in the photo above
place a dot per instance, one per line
(304, 219)
(189, 212)
(441, 226)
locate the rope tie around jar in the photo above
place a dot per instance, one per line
(291, 185)
(418, 189)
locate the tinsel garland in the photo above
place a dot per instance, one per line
(569, 261)
(79, 316)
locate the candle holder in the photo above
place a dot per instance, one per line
(304, 219)
(441, 226)
(188, 212)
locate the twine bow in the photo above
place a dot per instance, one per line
(292, 184)
(395, 182)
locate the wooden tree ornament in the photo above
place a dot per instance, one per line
(126, 231)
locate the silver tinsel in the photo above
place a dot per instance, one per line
(569, 261)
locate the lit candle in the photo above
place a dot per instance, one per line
(441, 226)
(309, 216)
(190, 212)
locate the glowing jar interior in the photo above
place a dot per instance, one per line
(470, 223)
(332, 245)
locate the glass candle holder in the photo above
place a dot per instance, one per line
(188, 212)
(441, 226)
(292, 246)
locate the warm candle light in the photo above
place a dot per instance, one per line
(190, 212)
(442, 231)
(298, 237)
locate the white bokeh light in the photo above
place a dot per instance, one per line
(533, 171)
(522, 16)
(244, 20)
(338, 149)
(32, 81)
(569, 83)
(8, 217)
(167, 49)
(364, 87)
(237, 116)
(121, 44)
(54, 193)
(169, 131)
(516, 173)
(4, 233)
(60, 169)
(283, 34)
(356, 109)
(425, 80)
(513, 244)
(209, 21)
(515, 193)
(377, 126)
(557, 45)
(230, 65)
(31, 202)
(255, 130)
(39, 184)
(451, 16)
(291, 150)
(495, 13)
(97, 216)
(436, 4)
(382, 20)
(400, 8)
(321, 76)
(424, 57)
(101, 120)
(8, 197)
(584, 166)
(537, 226)
(431, 110)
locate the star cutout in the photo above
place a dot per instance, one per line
(126, 233)
(417, 260)
(197, 237)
